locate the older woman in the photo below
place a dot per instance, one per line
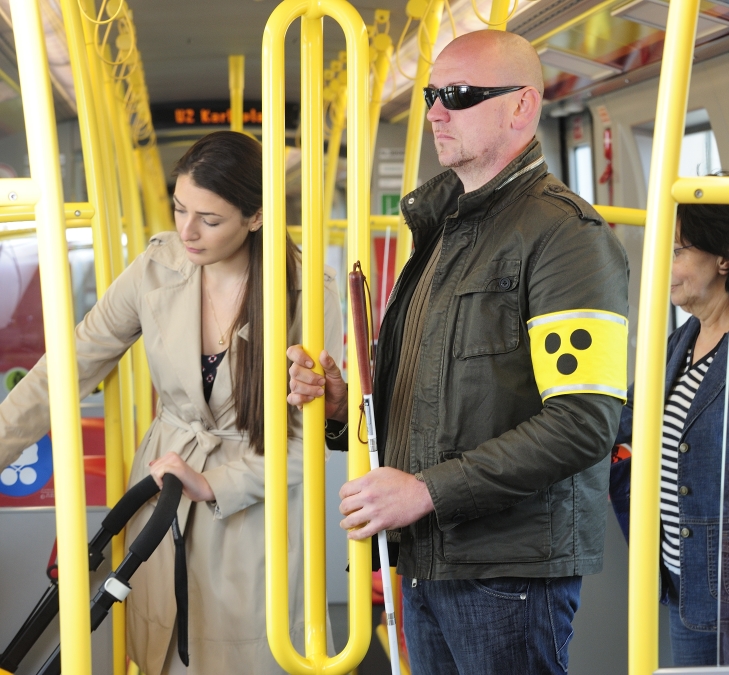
(693, 427)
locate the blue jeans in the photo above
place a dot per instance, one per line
(688, 647)
(499, 626)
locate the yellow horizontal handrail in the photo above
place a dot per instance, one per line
(621, 215)
(18, 192)
(78, 214)
(701, 190)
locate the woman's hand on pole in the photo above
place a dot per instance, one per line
(194, 485)
(305, 385)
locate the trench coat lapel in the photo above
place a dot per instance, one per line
(176, 311)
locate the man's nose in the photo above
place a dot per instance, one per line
(437, 112)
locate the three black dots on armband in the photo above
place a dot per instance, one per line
(580, 339)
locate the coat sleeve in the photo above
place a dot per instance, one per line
(582, 265)
(106, 332)
(240, 484)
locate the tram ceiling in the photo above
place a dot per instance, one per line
(185, 45)
(587, 46)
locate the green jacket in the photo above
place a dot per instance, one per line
(519, 486)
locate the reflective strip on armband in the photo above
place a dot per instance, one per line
(581, 351)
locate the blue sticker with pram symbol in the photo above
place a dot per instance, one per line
(30, 472)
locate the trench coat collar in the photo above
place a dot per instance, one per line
(714, 380)
(176, 308)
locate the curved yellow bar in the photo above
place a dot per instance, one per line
(42, 138)
(650, 369)
(277, 619)
(414, 138)
(702, 190)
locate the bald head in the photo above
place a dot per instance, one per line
(504, 58)
(479, 140)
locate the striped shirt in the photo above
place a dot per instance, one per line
(674, 418)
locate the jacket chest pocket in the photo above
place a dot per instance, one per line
(487, 321)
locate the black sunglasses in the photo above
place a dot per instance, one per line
(462, 96)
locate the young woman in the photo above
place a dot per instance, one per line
(196, 298)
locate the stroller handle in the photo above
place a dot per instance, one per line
(164, 513)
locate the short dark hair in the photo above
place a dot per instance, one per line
(706, 226)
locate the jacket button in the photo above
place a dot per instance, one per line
(684, 447)
(683, 490)
(459, 518)
(411, 200)
(505, 283)
(685, 532)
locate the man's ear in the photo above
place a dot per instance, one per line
(527, 109)
(256, 221)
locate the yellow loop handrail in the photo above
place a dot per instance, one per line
(277, 605)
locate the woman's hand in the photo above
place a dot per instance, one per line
(306, 385)
(194, 485)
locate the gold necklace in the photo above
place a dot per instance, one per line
(212, 306)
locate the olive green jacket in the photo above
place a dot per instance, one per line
(519, 486)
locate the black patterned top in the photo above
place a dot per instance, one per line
(210, 365)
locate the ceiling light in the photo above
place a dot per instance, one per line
(654, 13)
(577, 65)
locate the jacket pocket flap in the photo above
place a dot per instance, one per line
(498, 276)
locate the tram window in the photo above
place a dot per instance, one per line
(581, 174)
(699, 152)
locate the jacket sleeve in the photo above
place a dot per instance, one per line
(106, 332)
(580, 266)
(240, 484)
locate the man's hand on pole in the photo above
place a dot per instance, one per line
(383, 499)
(306, 385)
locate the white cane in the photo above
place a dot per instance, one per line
(362, 342)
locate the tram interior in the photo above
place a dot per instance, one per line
(597, 129)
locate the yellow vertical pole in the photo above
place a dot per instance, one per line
(113, 401)
(312, 217)
(338, 111)
(236, 82)
(414, 138)
(499, 14)
(382, 47)
(43, 156)
(650, 369)
(114, 107)
(142, 413)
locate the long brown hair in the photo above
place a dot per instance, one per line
(228, 163)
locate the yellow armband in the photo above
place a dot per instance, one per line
(581, 351)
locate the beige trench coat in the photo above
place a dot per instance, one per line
(158, 297)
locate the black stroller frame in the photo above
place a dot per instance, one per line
(116, 586)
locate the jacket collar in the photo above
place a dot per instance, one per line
(442, 197)
(714, 380)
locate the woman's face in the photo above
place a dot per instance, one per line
(212, 229)
(697, 277)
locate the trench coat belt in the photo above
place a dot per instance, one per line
(207, 439)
